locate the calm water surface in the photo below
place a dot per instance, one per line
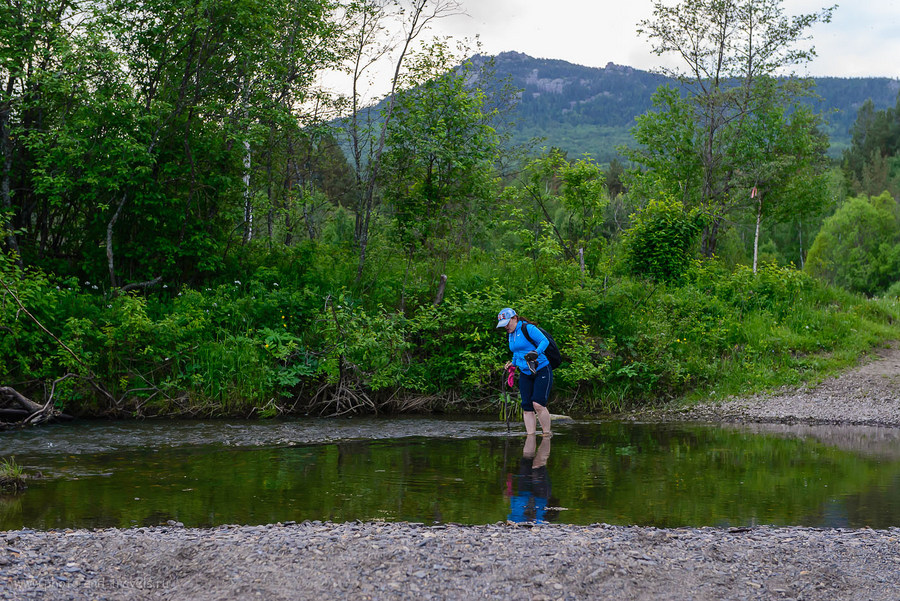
(100, 474)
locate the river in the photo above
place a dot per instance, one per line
(433, 470)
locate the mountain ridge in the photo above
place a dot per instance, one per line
(591, 110)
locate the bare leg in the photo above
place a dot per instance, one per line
(530, 422)
(543, 416)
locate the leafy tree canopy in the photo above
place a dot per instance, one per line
(858, 248)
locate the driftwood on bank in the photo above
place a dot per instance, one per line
(12, 395)
(17, 409)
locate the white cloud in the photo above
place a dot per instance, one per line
(861, 40)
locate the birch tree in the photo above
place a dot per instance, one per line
(374, 45)
(725, 49)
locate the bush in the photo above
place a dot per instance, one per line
(858, 248)
(660, 241)
(259, 347)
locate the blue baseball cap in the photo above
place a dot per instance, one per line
(504, 316)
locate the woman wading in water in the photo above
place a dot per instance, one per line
(535, 374)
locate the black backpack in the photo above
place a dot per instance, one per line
(552, 351)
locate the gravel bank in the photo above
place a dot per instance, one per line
(503, 561)
(867, 395)
(409, 561)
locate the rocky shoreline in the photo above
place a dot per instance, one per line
(394, 561)
(413, 561)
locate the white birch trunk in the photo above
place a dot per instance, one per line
(248, 206)
(756, 235)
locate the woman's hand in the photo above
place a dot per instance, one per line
(507, 365)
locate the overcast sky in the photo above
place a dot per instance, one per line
(862, 40)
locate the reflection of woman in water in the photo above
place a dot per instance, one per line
(530, 503)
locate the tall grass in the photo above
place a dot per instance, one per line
(12, 477)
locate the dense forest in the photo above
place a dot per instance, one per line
(592, 110)
(192, 225)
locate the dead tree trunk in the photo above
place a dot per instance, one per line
(9, 394)
(22, 410)
(439, 297)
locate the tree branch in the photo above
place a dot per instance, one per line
(137, 285)
(109, 245)
(562, 242)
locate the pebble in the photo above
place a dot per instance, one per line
(508, 561)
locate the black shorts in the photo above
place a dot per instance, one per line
(535, 388)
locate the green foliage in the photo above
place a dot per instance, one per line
(782, 158)
(871, 161)
(557, 208)
(730, 128)
(365, 347)
(660, 242)
(858, 247)
(12, 476)
(184, 237)
(437, 169)
(28, 352)
(271, 345)
(668, 148)
(132, 130)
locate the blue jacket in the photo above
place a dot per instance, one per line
(519, 346)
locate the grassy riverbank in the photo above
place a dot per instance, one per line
(291, 339)
(12, 477)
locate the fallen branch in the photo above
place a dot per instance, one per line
(337, 400)
(15, 414)
(48, 411)
(137, 285)
(25, 403)
(32, 413)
